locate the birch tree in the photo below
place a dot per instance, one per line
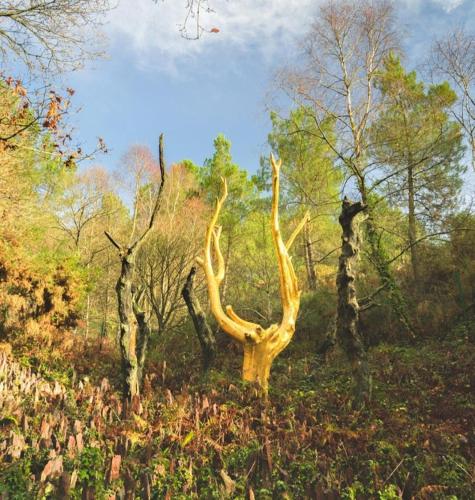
(453, 58)
(51, 36)
(344, 52)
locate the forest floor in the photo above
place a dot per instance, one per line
(212, 437)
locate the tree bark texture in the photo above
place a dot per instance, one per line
(412, 223)
(133, 328)
(203, 330)
(128, 327)
(143, 336)
(308, 252)
(348, 308)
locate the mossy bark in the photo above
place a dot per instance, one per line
(143, 337)
(203, 330)
(380, 261)
(128, 328)
(412, 224)
(348, 308)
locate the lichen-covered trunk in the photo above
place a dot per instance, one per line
(127, 329)
(143, 336)
(348, 308)
(203, 330)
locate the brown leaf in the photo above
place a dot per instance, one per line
(74, 479)
(79, 442)
(45, 429)
(427, 492)
(114, 471)
(52, 469)
(71, 447)
(17, 446)
(229, 484)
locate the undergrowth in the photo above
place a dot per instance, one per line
(213, 437)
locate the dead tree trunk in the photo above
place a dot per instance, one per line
(143, 335)
(203, 330)
(348, 309)
(308, 252)
(131, 339)
(328, 344)
(127, 327)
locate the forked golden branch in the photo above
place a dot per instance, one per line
(261, 346)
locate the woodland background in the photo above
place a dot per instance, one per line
(361, 124)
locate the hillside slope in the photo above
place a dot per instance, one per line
(217, 440)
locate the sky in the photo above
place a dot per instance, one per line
(155, 81)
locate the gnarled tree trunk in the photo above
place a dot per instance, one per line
(133, 328)
(143, 335)
(203, 330)
(348, 308)
(127, 328)
(260, 345)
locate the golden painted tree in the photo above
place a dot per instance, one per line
(261, 346)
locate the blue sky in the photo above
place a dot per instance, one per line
(154, 81)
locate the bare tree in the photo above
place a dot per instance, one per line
(453, 58)
(347, 323)
(50, 35)
(204, 332)
(82, 204)
(343, 54)
(82, 213)
(133, 327)
(164, 262)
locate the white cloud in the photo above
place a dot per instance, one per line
(152, 29)
(449, 5)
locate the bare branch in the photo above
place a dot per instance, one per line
(111, 239)
(51, 35)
